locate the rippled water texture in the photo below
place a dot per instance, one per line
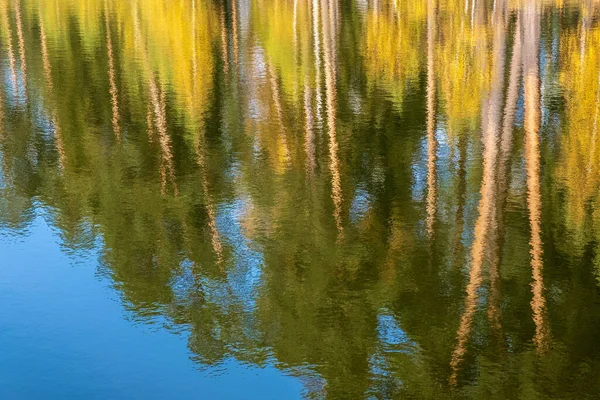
(299, 198)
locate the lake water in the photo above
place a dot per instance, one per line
(278, 199)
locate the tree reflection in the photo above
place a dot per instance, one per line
(336, 188)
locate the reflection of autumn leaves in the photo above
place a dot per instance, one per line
(579, 167)
(464, 57)
(177, 45)
(392, 45)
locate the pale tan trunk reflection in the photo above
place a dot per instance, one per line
(330, 89)
(531, 39)
(431, 139)
(485, 225)
(21, 40)
(309, 134)
(215, 237)
(114, 95)
(494, 311)
(9, 45)
(317, 56)
(58, 139)
(235, 32)
(224, 45)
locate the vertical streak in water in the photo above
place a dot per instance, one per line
(296, 48)
(309, 133)
(532, 159)
(317, 53)
(376, 12)
(170, 165)
(332, 29)
(224, 46)
(235, 32)
(2, 121)
(461, 189)
(150, 123)
(11, 53)
(594, 130)
(200, 148)
(295, 29)
(586, 22)
(494, 312)
(45, 57)
(309, 136)
(499, 19)
(337, 15)
(21, 40)
(431, 140)
(512, 96)
(279, 110)
(330, 89)
(215, 238)
(114, 95)
(194, 51)
(48, 75)
(486, 223)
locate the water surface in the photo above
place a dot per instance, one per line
(299, 198)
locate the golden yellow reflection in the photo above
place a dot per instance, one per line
(391, 45)
(580, 79)
(465, 65)
(276, 96)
